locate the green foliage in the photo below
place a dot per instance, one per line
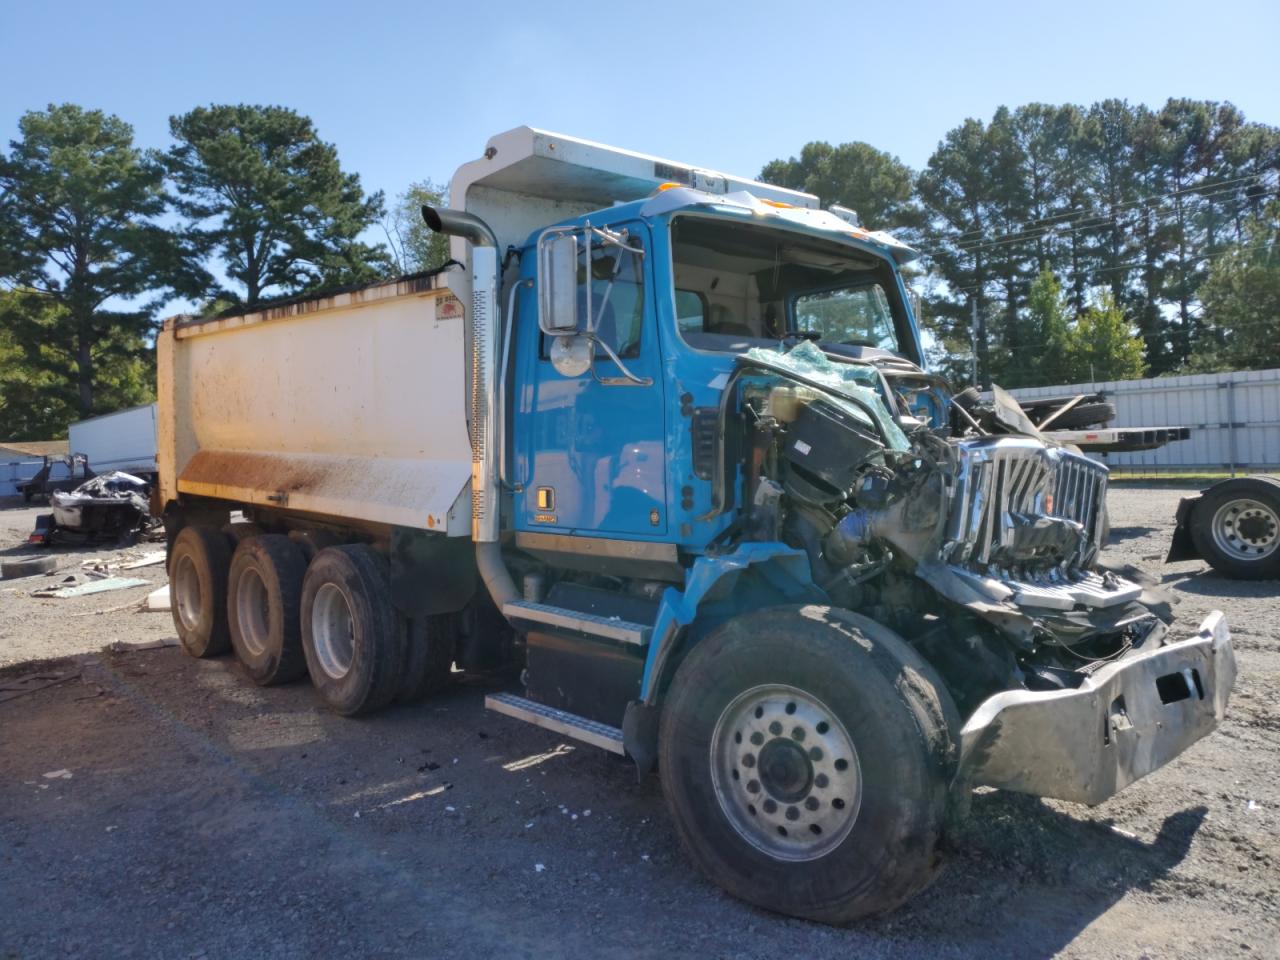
(1042, 354)
(81, 247)
(1052, 347)
(1116, 197)
(37, 399)
(38, 388)
(1102, 346)
(1241, 299)
(875, 184)
(268, 197)
(414, 245)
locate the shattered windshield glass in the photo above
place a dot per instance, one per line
(856, 381)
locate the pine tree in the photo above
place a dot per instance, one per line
(81, 246)
(267, 197)
(1242, 299)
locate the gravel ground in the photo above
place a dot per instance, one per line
(161, 806)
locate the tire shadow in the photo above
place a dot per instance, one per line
(1209, 583)
(1045, 875)
(1121, 534)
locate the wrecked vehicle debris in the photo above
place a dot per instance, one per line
(113, 507)
(57, 474)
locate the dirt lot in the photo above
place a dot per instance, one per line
(161, 806)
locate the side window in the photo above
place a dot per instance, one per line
(617, 297)
(612, 304)
(691, 311)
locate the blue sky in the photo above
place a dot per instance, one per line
(410, 90)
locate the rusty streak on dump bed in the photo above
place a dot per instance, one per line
(258, 471)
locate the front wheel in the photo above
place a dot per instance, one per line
(805, 754)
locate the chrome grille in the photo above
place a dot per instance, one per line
(1003, 477)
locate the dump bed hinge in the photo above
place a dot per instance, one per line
(610, 628)
(571, 725)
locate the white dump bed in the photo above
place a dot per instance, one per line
(124, 440)
(350, 406)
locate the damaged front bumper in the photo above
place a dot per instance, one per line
(1124, 721)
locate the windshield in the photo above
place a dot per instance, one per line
(739, 285)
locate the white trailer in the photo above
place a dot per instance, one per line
(124, 440)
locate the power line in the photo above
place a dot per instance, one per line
(960, 334)
(1141, 200)
(1090, 222)
(1123, 266)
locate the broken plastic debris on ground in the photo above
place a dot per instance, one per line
(104, 585)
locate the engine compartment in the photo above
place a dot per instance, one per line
(978, 540)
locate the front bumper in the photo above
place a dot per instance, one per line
(1129, 718)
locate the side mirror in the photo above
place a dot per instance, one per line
(558, 284)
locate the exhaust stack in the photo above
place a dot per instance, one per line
(484, 325)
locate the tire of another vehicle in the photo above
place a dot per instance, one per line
(353, 647)
(1236, 527)
(428, 656)
(1084, 415)
(264, 596)
(850, 685)
(13, 569)
(198, 565)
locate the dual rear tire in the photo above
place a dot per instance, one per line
(290, 606)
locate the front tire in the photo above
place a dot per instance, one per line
(805, 754)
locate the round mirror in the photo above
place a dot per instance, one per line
(571, 356)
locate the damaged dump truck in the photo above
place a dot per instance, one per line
(661, 443)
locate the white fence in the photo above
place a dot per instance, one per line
(1234, 419)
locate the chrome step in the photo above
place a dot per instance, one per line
(611, 628)
(571, 725)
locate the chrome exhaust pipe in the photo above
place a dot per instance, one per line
(484, 324)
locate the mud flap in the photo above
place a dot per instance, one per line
(640, 736)
(1182, 547)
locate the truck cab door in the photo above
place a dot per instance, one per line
(590, 443)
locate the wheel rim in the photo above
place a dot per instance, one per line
(1246, 529)
(333, 631)
(253, 613)
(786, 773)
(185, 587)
